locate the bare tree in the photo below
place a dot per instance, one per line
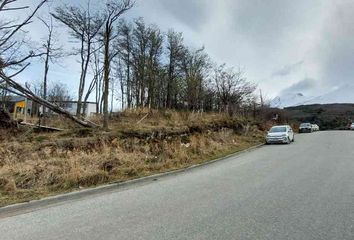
(125, 48)
(85, 27)
(175, 52)
(96, 82)
(114, 9)
(3, 93)
(52, 51)
(140, 52)
(12, 54)
(195, 66)
(98, 73)
(119, 75)
(11, 46)
(12, 57)
(232, 88)
(152, 69)
(59, 94)
(147, 48)
(153, 64)
(113, 84)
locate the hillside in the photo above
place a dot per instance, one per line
(140, 143)
(327, 116)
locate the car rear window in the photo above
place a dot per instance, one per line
(277, 129)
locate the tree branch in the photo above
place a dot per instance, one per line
(25, 22)
(30, 95)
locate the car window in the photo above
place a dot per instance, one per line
(277, 129)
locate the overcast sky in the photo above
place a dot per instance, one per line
(282, 45)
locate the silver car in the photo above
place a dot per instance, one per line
(280, 134)
(305, 128)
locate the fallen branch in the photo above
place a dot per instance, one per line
(30, 95)
(143, 118)
(47, 128)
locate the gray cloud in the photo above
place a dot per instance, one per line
(288, 69)
(269, 22)
(336, 51)
(193, 14)
(305, 86)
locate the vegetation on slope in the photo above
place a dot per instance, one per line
(34, 165)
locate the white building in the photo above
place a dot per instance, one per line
(71, 107)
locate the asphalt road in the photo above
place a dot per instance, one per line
(300, 191)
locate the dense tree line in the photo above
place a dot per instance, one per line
(132, 61)
(144, 67)
(158, 70)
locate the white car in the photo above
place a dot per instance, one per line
(280, 134)
(352, 126)
(305, 128)
(315, 128)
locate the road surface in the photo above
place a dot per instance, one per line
(299, 191)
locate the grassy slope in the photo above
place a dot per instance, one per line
(38, 165)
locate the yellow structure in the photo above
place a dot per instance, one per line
(20, 108)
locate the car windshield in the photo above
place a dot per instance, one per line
(305, 125)
(277, 129)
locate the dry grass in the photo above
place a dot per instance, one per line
(35, 166)
(169, 119)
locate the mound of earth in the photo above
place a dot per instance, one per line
(5, 120)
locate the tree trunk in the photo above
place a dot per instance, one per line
(30, 95)
(84, 68)
(129, 96)
(45, 81)
(98, 95)
(106, 76)
(169, 83)
(112, 96)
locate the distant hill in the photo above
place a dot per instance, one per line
(327, 116)
(343, 94)
(289, 100)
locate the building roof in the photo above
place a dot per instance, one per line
(73, 102)
(15, 99)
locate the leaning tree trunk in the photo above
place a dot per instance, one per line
(30, 95)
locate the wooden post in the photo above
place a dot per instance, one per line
(26, 102)
(15, 109)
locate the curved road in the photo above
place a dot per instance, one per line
(300, 191)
